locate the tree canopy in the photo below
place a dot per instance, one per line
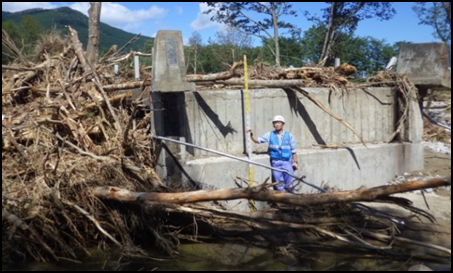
(436, 15)
(342, 17)
(245, 16)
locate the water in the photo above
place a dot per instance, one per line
(233, 257)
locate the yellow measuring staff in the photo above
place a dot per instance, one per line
(247, 121)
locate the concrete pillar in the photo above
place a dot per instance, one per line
(169, 69)
(413, 128)
(169, 75)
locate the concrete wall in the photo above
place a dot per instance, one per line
(343, 168)
(215, 120)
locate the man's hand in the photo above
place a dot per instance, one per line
(295, 166)
(249, 130)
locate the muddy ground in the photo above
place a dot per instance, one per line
(438, 200)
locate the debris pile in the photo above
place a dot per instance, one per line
(62, 133)
(265, 76)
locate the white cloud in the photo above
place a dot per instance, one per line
(82, 7)
(17, 6)
(179, 10)
(118, 15)
(203, 21)
(124, 18)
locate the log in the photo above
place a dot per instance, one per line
(78, 49)
(107, 88)
(7, 67)
(215, 77)
(124, 86)
(112, 99)
(265, 83)
(258, 193)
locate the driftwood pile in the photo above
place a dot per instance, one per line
(78, 171)
(63, 133)
(266, 76)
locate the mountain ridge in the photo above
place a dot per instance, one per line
(59, 18)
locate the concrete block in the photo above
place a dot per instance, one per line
(427, 64)
(346, 169)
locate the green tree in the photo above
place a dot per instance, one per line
(31, 31)
(378, 53)
(366, 53)
(311, 44)
(290, 51)
(242, 15)
(148, 46)
(436, 15)
(344, 17)
(16, 36)
(215, 57)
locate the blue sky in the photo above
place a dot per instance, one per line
(149, 17)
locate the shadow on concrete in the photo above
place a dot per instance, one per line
(298, 107)
(187, 132)
(376, 98)
(224, 129)
(351, 151)
(196, 185)
(174, 119)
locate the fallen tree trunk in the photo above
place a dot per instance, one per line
(215, 77)
(113, 99)
(260, 193)
(78, 49)
(265, 83)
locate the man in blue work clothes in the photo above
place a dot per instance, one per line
(282, 150)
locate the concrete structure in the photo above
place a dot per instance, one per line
(428, 65)
(169, 69)
(216, 120)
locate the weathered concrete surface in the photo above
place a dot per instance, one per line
(216, 120)
(426, 64)
(345, 169)
(169, 70)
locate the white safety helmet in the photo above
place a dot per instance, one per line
(278, 118)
